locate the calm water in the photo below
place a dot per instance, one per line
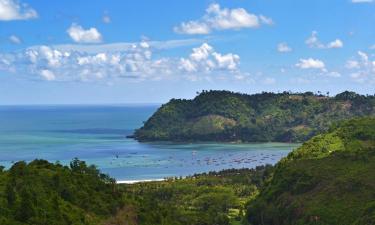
(96, 134)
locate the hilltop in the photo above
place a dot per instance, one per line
(233, 117)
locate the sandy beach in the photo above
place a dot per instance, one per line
(137, 181)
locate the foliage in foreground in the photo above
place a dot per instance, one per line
(328, 180)
(206, 199)
(227, 116)
(43, 193)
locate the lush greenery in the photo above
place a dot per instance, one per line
(328, 180)
(43, 193)
(217, 198)
(228, 116)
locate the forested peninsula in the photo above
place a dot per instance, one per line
(266, 117)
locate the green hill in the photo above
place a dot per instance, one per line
(229, 117)
(45, 193)
(330, 179)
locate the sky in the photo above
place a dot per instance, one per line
(114, 52)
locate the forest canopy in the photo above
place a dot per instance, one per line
(233, 117)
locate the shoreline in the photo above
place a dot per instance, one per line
(138, 181)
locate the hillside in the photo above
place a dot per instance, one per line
(330, 179)
(44, 193)
(231, 117)
(216, 198)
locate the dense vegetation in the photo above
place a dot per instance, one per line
(227, 116)
(328, 180)
(217, 198)
(43, 193)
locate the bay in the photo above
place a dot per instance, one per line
(97, 135)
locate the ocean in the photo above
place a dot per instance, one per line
(97, 135)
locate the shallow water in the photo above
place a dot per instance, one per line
(96, 134)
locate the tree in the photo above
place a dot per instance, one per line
(26, 209)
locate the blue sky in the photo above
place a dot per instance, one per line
(92, 52)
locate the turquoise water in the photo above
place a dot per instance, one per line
(97, 134)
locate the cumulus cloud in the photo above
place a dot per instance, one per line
(314, 42)
(14, 39)
(335, 44)
(193, 27)
(14, 10)
(362, 68)
(283, 48)
(310, 63)
(217, 18)
(136, 62)
(205, 59)
(80, 35)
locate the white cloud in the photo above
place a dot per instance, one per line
(311, 63)
(187, 65)
(217, 18)
(80, 35)
(228, 61)
(95, 59)
(47, 55)
(14, 10)
(192, 27)
(124, 46)
(336, 44)
(314, 42)
(47, 75)
(352, 64)
(144, 44)
(266, 20)
(14, 39)
(205, 59)
(230, 18)
(283, 47)
(363, 56)
(362, 68)
(362, 1)
(136, 62)
(201, 52)
(333, 74)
